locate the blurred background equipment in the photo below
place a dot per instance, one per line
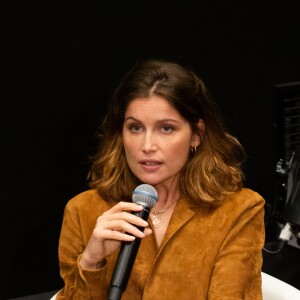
(283, 214)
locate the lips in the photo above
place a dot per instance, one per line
(150, 165)
(150, 162)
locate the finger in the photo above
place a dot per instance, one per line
(124, 206)
(125, 216)
(148, 231)
(119, 226)
(110, 235)
(119, 236)
(120, 211)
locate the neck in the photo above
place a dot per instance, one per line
(166, 196)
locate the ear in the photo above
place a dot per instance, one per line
(198, 136)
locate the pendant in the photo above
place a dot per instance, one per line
(156, 221)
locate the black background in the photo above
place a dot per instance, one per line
(62, 61)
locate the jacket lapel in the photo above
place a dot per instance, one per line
(181, 215)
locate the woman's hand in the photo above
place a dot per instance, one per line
(114, 226)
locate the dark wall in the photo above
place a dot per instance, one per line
(63, 60)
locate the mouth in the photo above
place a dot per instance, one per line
(150, 162)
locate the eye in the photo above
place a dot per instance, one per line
(167, 129)
(135, 128)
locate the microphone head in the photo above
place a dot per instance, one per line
(145, 194)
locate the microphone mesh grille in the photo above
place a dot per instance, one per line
(145, 194)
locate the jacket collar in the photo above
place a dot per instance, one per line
(181, 215)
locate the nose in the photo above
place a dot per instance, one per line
(148, 143)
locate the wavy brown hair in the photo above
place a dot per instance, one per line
(211, 173)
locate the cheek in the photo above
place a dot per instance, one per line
(179, 152)
(126, 142)
(130, 149)
(127, 150)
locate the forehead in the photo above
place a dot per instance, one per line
(153, 106)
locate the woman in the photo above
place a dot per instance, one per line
(204, 237)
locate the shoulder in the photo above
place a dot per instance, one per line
(81, 199)
(244, 198)
(243, 206)
(87, 203)
(81, 214)
(243, 202)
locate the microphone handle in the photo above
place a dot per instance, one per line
(125, 261)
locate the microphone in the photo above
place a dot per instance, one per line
(146, 196)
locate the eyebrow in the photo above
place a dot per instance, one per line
(159, 121)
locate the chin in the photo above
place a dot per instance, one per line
(151, 181)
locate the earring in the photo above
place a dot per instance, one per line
(194, 149)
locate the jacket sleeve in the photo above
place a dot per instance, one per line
(237, 270)
(78, 284)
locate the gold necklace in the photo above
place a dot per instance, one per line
(156, 219)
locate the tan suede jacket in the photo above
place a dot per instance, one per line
(206, 254)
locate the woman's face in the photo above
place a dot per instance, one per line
(157, 140)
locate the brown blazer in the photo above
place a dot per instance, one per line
(206, 254)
